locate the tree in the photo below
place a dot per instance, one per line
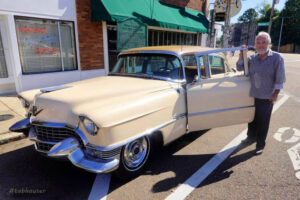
(291, 25)
(265, 13)
(249, 16)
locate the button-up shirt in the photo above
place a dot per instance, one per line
(266, 75)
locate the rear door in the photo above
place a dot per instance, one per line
(219, 98)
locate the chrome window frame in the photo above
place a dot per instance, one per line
(220, 51)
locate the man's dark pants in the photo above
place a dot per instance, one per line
(259, 127)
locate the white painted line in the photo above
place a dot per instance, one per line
(291, 61)
(280, 102)
(196, 179)
(100, 187)
(294, 153)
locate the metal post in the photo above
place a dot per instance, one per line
(280, 34)
(271, 16)
(226, 24)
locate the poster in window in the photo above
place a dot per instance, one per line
(131, 33)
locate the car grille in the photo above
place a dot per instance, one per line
(103, 154)
(52, 134)
(44, 146)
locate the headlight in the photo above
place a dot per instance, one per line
(89, 125)
(25, 103)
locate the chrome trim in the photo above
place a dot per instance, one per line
(79, 160)
(51, 89)
(20, 126)
(150, 52)
(148, 132)
(62, 125)
(33, 137)
(220, 50)
(220, 110)
(64, 147)
(70, 148)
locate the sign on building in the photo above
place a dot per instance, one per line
(131, 33)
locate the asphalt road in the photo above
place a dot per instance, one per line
(273, 175)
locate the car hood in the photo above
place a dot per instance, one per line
(107, 100)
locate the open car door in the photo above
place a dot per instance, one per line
(220, 96)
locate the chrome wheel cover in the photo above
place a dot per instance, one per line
(136, 153)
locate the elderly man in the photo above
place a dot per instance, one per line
(267, 75)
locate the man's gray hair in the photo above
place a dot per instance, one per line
(264, 34)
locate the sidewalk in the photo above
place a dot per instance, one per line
(11, 111)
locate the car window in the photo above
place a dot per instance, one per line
(216, 64)
(191, 67)
(167, 66)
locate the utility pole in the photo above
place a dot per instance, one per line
(226, 24)
(280, 35)
(271, 16)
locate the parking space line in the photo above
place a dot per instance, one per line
(100, 187)
(196, 179)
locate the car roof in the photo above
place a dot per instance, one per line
(178, 49)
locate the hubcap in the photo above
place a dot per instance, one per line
(135, 153)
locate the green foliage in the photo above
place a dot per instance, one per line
(265, 13)
(248, 16)
(291, 25)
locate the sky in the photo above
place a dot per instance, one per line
(256, 4)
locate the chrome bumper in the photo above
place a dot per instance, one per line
(70, 148)
(20, 126)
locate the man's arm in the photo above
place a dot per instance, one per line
(279, 79)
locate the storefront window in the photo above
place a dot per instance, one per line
(3, 69)
(46, 45)
(155, 38)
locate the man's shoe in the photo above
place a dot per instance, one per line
(248, 140)
(259, 151)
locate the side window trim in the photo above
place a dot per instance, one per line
(227, 50)
(222, 61)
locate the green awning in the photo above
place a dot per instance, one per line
(151, 12)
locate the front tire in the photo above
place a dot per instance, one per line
(134, 157)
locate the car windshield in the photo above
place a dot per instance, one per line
(149, 65)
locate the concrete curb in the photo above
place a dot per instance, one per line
(10, 136)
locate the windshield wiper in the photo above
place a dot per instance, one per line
(142, 75)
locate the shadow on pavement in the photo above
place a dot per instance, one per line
(24, 173)
(166, 161)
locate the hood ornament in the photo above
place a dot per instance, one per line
(51, 89)
(35, 111)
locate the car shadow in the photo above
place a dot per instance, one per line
(24, 173)
(166, 161)
(183, 172)
(184, 166)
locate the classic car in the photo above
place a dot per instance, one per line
(152, 96)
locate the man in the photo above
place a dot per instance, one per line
(267, 75)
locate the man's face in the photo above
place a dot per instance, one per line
(262, 45)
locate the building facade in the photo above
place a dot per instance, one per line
(46, 43)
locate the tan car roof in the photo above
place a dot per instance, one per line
(176, 49)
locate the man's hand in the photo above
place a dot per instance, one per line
(274, 96)
(241, 53)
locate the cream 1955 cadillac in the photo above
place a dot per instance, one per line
(152, 96)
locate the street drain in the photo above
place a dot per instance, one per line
(5, 117)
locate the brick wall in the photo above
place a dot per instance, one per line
(90, 37)
(193, 4)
